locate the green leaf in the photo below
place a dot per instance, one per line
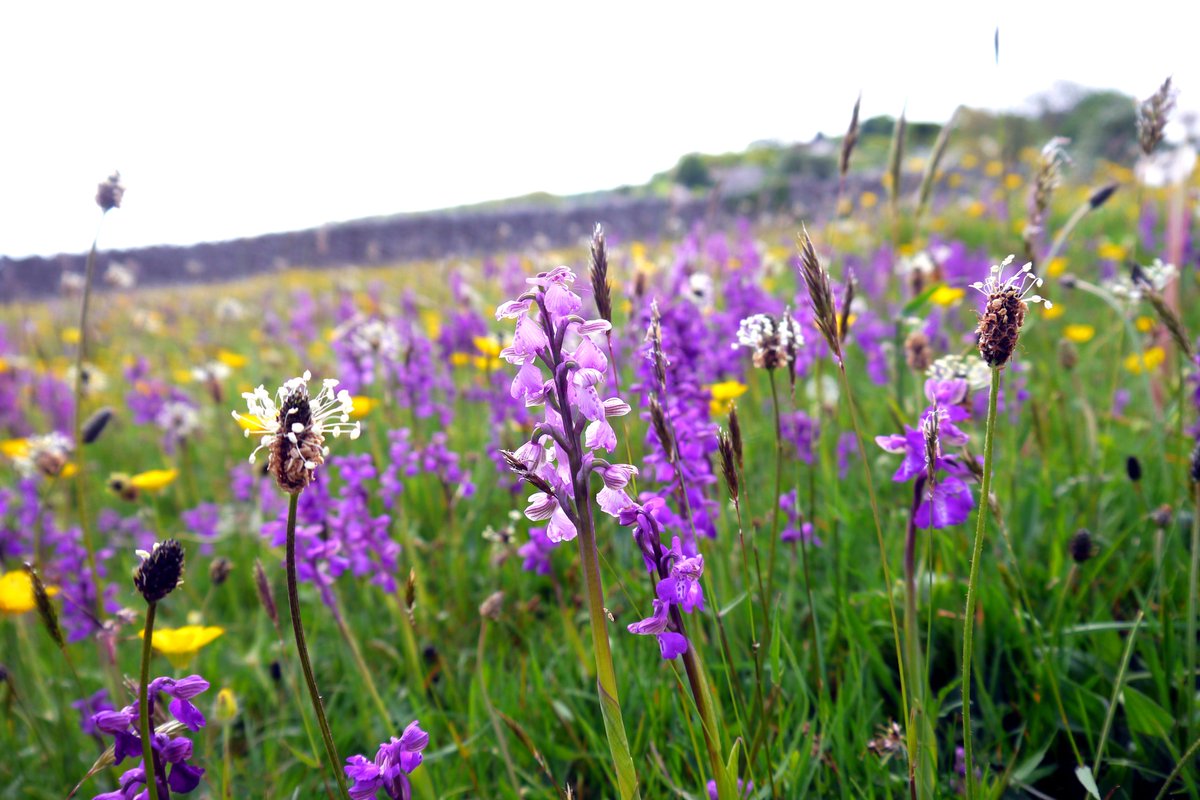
(920, 301)
(614, 727)
(1144, 715)
(1089, 782)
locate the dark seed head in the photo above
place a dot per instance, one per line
(1196, 463)
(45, 608)
(218, 570)
(735, 436)
(1162, 516)
(160, 571)
(276, 672)
(917, 352)
(1000, 326)
(110, 192)
(289, 460)
(599, 275)
(1101, 195)
(265, 595)
(1133, 468)
(728, 463)
(95, 425)
(1082, 546)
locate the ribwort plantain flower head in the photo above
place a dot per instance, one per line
(110, 192)
(291, 427)
(772, 342)
(1004, 313)
(161, 570)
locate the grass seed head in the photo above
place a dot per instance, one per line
(161, 570)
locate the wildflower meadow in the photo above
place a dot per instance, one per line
(900, 499)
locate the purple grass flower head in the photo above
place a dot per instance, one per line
(744, 789)
(394, 762)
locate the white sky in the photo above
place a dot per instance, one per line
(232, 119)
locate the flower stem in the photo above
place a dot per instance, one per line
(1193, 588)
(976, 555)
(302, 648)
(769, 600)
(81, 478)
(144, 704)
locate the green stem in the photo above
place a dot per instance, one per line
(302, 649)
(887, 570)
(1193, 588)
(491, 710)
(1187, 757)
(80, 478)
(976, 555)
(144, 703)
(769, 600)
(606, 674)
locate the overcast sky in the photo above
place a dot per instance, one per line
(234, 119)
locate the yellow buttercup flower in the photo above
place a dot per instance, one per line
(868, 200)
(1145, 324)
(723, 394)
(947, 295)
(1012, 181)
(460, 359)
(16, 593)
(486, 363)
(15, 448)
(1079, 333)
(154, 480)
(361, 406)
(969, 161)
(994, 169)
(180, 645)
(1056, 267)
(487, 345)
(182, 375)
(70, 335)
(1054, 312)
(976, 209)
(1110, 251)
(231, 359)
(1149, 361)
(432, 321)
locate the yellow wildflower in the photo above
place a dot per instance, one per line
(155, 479)
(1079, 333)
(947, 295)
(1053, 312)
(868, 200)
(361, 406)
(180, 645)
(1145, 324)
(16, 593)
(1056, 267)
(231, 359)
(1012, 182)
(226, 708)
(487, 345)
(969, 161)
(486, 364)
(954, 180)
(182, 375)
(976, 209)
(1149, 361)
(1110, 251)
(460, 359)
(15, 448)
(994, 169)
(723, 394)
(70, 335)
(432, 321)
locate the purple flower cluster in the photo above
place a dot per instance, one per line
(560, 456)
(678, 588)
(122, 725)
(394, 762)
(949, 502)
(796, 529)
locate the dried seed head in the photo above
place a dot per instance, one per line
(728, 463)
(292, 462)
(1068, 354)
(918, 354)
(735, 436)
(491, 606)
(1133, 468)
(1162, 516)
(601, 288)
(1004, 313)
(1169, 317)
(1082, 546)
(45, 608)
(1048, 177)
(219, 569)
(95, 425)
(110, 192)
(850, 140)
(1153, 114)
(654, 338)
(820, 293)
(265, 595)
(161, 570)
(1100, 196)
(658, 419)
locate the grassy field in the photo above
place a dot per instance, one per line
(826, 656)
